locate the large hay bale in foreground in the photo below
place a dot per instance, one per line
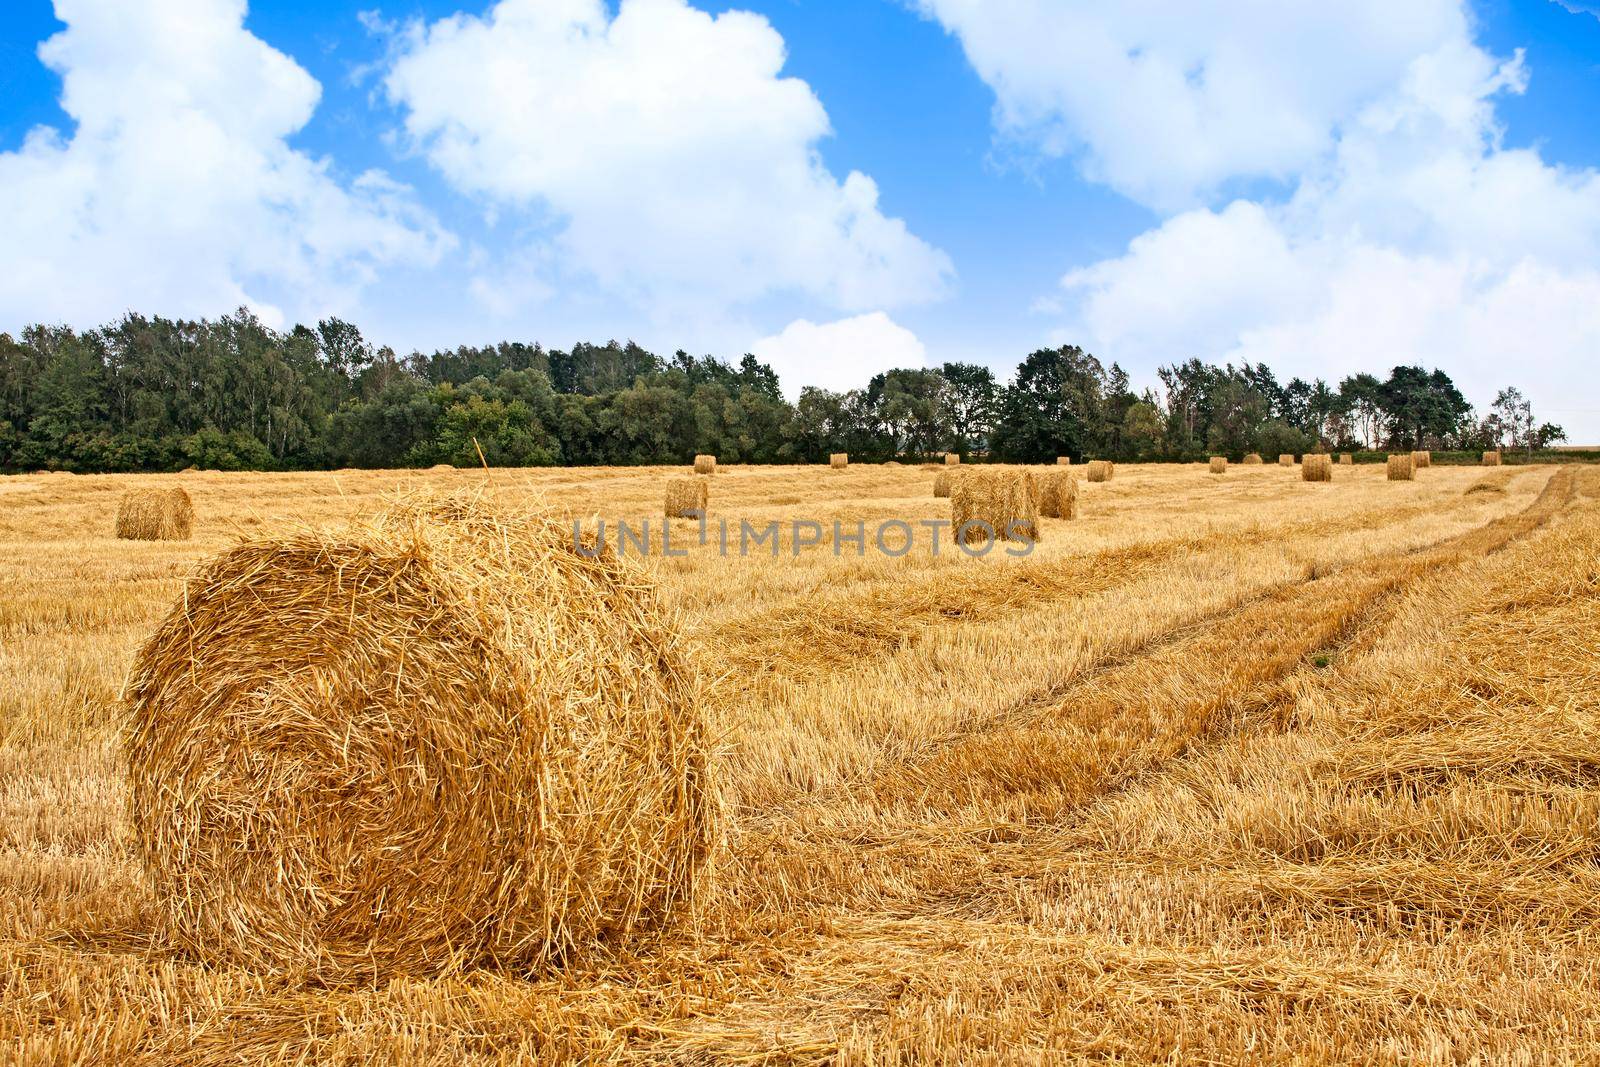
(839, 460)
(1421, 458)
(1058, 496)
(704, 464)
(1285, 459)
(447, 740)
(155, 515)
(1346, 459)
(687, 497)
(1401, 469)
(1253, 460)
(995, 502)
(952, 459)
(1219, 464)
(1101, 470)
(945, 480)
(1316, 467)
(1491, 459)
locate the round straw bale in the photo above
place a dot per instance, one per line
(1285, 459)
(943, 481)
(839, 460)
(1401, 469)
(450, 739)
(1491, 459)
(1346, 459)
(704, 464)
(1058, 496)
(952, 459)
(442, 467)
(1063, 461)
(155, 515)
(1253, 460)
(1421, 458)
(995, 503)
(1219, 464)
(688, 496)
(1316, 467)
(1101, 470)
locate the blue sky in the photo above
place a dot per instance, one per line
(1326, 192)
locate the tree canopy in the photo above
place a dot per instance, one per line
(232, 394)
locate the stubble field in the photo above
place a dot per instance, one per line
(1232, 768)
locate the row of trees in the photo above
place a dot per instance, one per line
(153, 393)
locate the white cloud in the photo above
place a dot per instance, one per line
(1419, 238)
(839, 355)
(1164, 102)
(673, 162)
(177, 193)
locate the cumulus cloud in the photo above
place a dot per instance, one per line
(1165, 102)
(662, 149)
(839, 355)
(1419, 238)
(177, 192)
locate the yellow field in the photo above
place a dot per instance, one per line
(1235, 769)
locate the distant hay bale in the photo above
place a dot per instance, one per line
(1491, 459)
(1401, 469)
(1285, 459)
(705, 464)
(687, 497)
(1063, 461)
(155, 515)
(442, 467)
(191, 469)
(952, 459)
(995, 503)
(1421, 458)
(1219, 464)
(944, 481)
(1101, 470)
(839, 460)
(1346, 459)
(450, 739)
(1253, 460)
(1058, 496)
(1316, 467)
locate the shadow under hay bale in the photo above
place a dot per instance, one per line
(452, 739)
(687, 497)
(1253, 460)
(1316, 467)
(1491, 459)
(839, 460)
(995, 503)
(1058, 496)
(155, 515)
(1101, 470)
(705, 464)
(1219, 464)
(1401, 469)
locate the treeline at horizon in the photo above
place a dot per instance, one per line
(150, 394)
